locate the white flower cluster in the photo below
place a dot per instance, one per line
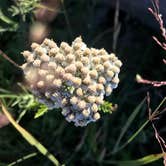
(74, 78)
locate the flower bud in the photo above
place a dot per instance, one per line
(70, 117)
(40, 84)
(71, 69)
(81, 104)
(37, 63)
(57, 83)
(108, 90)
(42, 72)
(118, 63)
(49, 77)
(87, 80)
(110, 73)
(115, 80)
(94, 107)
(26, 54)
(93, 74)
(96, 116)
(39, 50)
(91, 99)
(74, 100)
(99, 100)
(79, 92)
(53, 52)
(34, 46)
(86, 112)
(102, 80)
(52, 65)
(45, 58)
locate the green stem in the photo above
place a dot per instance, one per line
(22, 159)
(9, 96)
(128, 124)
(29, 138)
(132, 137)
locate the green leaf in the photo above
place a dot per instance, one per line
(142, 161)
(5, 18)
(41, 111)
(106, 107)
(23, 7)
(11, 25)
(29, 138)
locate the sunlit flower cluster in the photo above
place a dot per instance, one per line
(74, 78)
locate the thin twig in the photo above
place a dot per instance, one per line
(67, 19)
(152, 117)
(9, 59)
(101, 35)
(155, 12)
(117, 26)
(139, 79)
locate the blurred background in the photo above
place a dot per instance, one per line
(124, 27)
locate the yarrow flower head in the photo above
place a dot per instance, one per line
(74, 78)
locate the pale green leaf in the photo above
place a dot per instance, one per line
(142, 161)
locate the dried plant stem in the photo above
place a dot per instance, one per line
(9, 59)
(67, 19)
(139, 79)
(152, 117)
(117, 26)
(155, 12)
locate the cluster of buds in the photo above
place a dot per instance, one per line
(74, 78)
